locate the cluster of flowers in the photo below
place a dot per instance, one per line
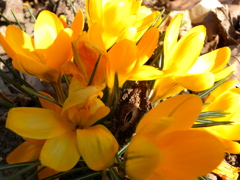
(121, 37)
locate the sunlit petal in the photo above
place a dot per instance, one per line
(183, 109)
(36, 123)
(77, 24)
(60, 153)
(196, 82)
(46, 29)
(192, 159)
(99, 148)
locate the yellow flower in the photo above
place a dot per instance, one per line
(128, 59)
(69, 134)
(120, 19)
(43, 55)
(165, 146)
(86, 56)
(227, 99)
(186, 69)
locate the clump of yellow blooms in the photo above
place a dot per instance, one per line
(73, 128)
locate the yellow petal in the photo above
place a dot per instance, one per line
(184, 154)
(77, 24)
(145, 73)
(7, 48)
(230, 146)
(142, 157)
(60, 153)
(35, 68)
(186, 51)
(48, 104)
(46, 29)
(224, 72)
(46, 172)
(222, 56)
(125, 61)
(220, 90)
(165, 87)
(94, 11)
(183, 109)
(171, 37)
(61, 45)
(97, 146)
(196, 82)
(36, 123)
(147, 45)
(27, 151)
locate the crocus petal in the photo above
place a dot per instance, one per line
(94, 33)
(61, 49)
(147, 45)
(46, 29)
(48, 104)
(165, 87)
(7, 48)
(60, 153)
(77, 24)
(97, 146)
(142, 157)
(185, 53)
(221, 56)
(192, 159)
(46, 172)
(125, 61)
(94, 11)
(196, 82)
(36, 123)
(220, 90)
(183, 109)
(224, 72)
(230, 146)
(35, 68)
(27, 151)
(171, 37)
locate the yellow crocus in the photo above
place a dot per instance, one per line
(69, 134)
(165, 146)
(227, 99)
(43, 55)
(120, 19)
(186, 69)
(128, 59)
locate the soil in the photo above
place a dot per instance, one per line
(9, 140)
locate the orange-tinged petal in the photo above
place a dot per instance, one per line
(48, 104)
(61, 49)
(222, 56)
(97, 146)
(147, 45)
(63, 20)
(18, 39)
(46, 172)
(46, 29)
(36, 123)
(77, 24)
(171, 38)
(125, 61)
(183, 109)
(184, 154)
(230, 146)
(142, 157)
(7, 48)
(220, 90)
(60, 153)
(27, 151)
(145, 73)
(196, 82)
(35, 68)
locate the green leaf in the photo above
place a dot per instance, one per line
(15, 176)
(17, 20)
(16, 165)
